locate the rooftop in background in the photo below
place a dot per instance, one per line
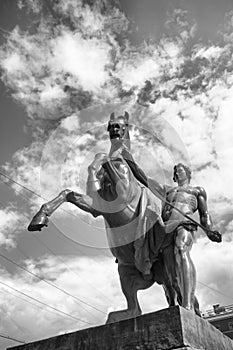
(218, 311)
(222, 318)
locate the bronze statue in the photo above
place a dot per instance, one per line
(134, 227)
(147, 248)
(179, 205)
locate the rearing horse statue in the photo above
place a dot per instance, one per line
(135, 231)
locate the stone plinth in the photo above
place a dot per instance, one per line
(172, 328)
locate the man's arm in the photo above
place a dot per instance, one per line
(155, 187)
(205, 218)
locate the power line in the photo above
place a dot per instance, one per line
(31, 191)
(31, 303)
(31, 200)
(64, 263)
(6, 176)
(10, 338)
(17, 183)
(27, 301)
(34, 193)
(17, 191)
(4, 291)
(51, 284)
(52, 252)
(41, 302)
(44, 280)
(37, 238)
(12, 320)
(215, 290)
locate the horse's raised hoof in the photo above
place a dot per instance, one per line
(39, 221)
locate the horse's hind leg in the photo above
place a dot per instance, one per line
(131, 281)
(41, 218)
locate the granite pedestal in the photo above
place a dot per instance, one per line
(167, 329)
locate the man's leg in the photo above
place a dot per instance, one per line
(185, 266)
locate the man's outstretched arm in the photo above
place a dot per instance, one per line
(136, 170)
(155, 187)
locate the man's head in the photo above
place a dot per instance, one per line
(118, 127)
(181, 173)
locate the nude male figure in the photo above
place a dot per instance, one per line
(188, 200)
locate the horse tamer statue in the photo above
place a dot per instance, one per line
(136, 233)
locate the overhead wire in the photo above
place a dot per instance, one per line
(56, 232)
(67, 266)
(50, 283)
(77, 299)
(6, 176)
(32, 192)
(49, 249)
(12, 320)
(11, 338)
(4, 291)
(74, 297)
(45, 309)
(30, 302)
(45, 304)
(36, 194)
(215, 290)
(47, 246)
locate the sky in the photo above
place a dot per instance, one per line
(65, 66)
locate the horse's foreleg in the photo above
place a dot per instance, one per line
(82, 201)
(50, 207)
(41, 218)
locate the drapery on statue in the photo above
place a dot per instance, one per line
(136, 233)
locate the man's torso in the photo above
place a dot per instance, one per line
(184, 198)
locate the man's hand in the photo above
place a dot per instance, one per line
(214, 236)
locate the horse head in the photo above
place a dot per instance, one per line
(118, 128)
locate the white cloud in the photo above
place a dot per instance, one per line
(213, 52)
(213, 263)
(136, 71)
(12, 63)
(84, 59)
(51, 93)
(95, 281)
(11, 224)
(56, 73)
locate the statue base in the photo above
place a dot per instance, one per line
(172, 328)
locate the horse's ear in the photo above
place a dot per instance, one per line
(112, 116)
(127, 116)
